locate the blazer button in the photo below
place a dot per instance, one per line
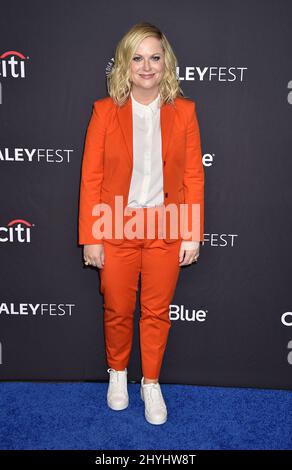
(164, 163)
(166, 194)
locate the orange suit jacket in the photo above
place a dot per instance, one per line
(108, 162)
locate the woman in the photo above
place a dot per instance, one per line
(143, 146)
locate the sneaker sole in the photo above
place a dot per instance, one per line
(117, 407)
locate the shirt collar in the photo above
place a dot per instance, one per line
(140, 108)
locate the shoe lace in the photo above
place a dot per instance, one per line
(115, 376)
(154, 393)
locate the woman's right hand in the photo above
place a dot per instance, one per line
(94, 255)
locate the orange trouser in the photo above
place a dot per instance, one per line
(158, 263)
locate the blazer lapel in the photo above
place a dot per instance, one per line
(126, 123)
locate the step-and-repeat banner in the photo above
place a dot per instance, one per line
(232, 311)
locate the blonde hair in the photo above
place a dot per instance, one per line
(118, 80)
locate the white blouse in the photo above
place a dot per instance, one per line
(146, 188)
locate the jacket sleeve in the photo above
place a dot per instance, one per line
(193, 182)
(91, 175)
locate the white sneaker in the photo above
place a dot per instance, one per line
(117, 394)
(155, 407)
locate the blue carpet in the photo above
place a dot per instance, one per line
(42, 415)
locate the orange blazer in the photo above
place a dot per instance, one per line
(108, 162)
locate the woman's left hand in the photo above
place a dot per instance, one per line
(189, 252)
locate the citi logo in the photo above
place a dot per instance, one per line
(16, 231)
(180, 312)
(12, 64)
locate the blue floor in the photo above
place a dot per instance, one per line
(42, 415)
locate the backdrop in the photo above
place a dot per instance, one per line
(231, 313)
